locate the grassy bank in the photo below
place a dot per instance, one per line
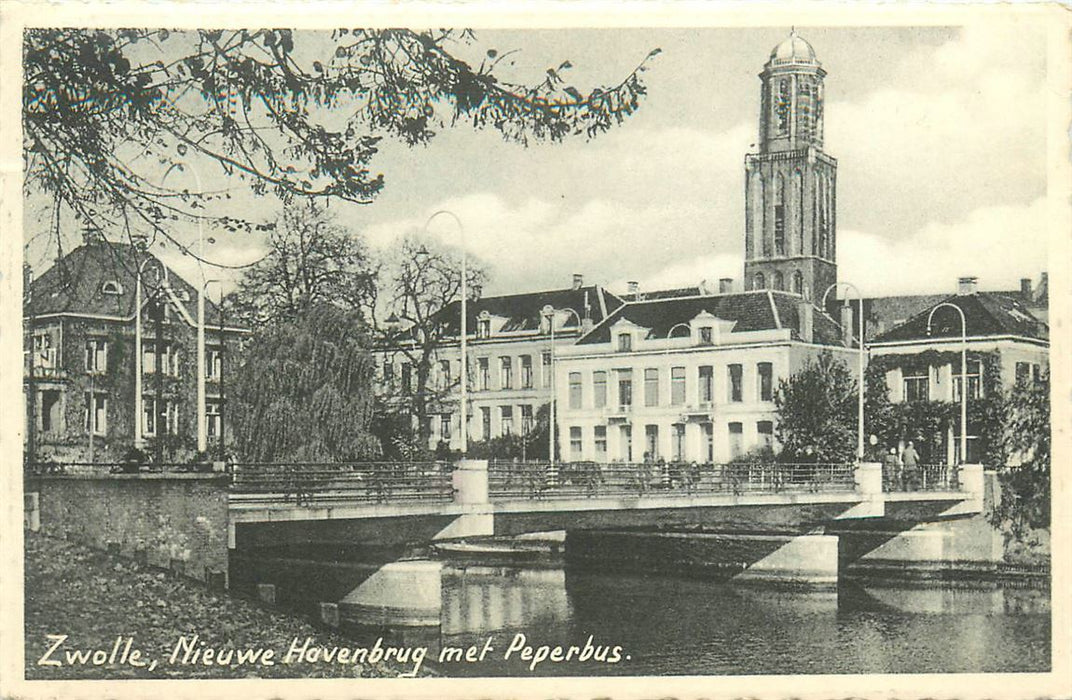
(95, 598)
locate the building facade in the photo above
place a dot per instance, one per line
(80, 332)
(687, 379)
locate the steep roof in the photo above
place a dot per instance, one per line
(752, 311)
(663, 294)
(523, 311)
(985, 314)
(75, 284)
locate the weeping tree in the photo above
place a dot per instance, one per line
(1025, 486)
(304, 390)
(109, 113)
(817, 412)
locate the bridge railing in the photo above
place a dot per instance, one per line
(52, 468)
(923, 477)
(324, 483)
(542, 480)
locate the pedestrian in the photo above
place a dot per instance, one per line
(893, 469)
(910, 459)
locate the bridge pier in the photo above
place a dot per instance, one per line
(470, 482)
(401, 593)
(805, 560)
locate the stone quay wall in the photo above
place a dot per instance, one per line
(173, 521)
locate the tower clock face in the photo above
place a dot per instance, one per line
(781, 106)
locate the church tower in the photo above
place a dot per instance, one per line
(790, 221)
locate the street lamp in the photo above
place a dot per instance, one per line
(963, 374)
(860, 363)
(548, 312)
(139, 439)
(464, 330)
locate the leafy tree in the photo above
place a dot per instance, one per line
(107, 113)
(304, 390)
(817, 412)
(1025, 487)
(311, 260)
(423, 285)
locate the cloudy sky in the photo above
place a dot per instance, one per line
(939, 134)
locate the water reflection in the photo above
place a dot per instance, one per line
(672, 625)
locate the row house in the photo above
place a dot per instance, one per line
(509, 360)
(686, 378)
(1007, 345)
(79, 370)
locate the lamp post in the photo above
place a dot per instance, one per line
(463, 332)
(859, 363)
(139, 432)
(963, 374)
(548, 312)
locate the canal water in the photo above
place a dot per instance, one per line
(669, 625)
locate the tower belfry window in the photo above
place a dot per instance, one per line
(781, 106)
(779, 217)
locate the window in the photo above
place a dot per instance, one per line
(625, 342)
(677, 386)
(485, 374)
(485, 422)
(778, 281)
(779, 217)
(1036, 373)
(975, 374)
(651, 442)
(51, 415)
(96, 355)
(625, 442)
(526, 371)
(736, 373)
(212, 419)
(213, 362)
(798, 282)
(736, 440)
(546, 371)
(506, 373)
(575, 442)
(1023, 373)
(651, 387)
(151, 414)
(506, 420)
(112, 287)
(758, 281)
(707, 384)
(388, 370)
(44, 355)
(483, 328)
(765, 374)
(709, 441)
(96, 414)
(599, 389)
(601, 443)
(625, 388)
(526, 420)
(407, 378)
(917, 384)
(575, 397)
(679, 442)
(444, 374)
(765, 428)
(707, 335)
(444, 427)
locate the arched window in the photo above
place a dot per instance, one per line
(779, 216)
(781, 106)
(778, 281)
(112, 287)
(798, 283)
(759, 282)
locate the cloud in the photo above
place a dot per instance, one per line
(998, 244)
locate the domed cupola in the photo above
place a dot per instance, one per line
(793, 50)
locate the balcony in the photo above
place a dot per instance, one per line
(618, 413)
(701, 411)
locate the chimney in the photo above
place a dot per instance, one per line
(634, 288)
(846, 325)
(967, 285)
(806, 317)
(587, 324)
(1025, 289)
(91, 234)
(578, 280)
(476, 291)
(725, 285)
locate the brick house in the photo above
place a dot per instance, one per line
(79, 370)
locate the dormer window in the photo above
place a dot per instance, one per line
(112, 287)
(707, 335)
(625, 342)
(483, 325)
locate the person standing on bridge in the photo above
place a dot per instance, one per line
(910, 460)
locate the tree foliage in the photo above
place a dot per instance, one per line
(1025, 492)
(311, 260)
(817, 412)
(108, 113)
(304, 390)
